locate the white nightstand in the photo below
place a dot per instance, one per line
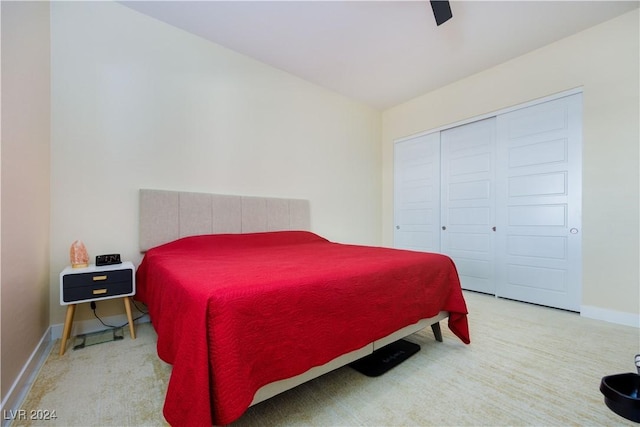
(93, 283)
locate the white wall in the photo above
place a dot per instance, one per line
(604, 60)
(25, 184)
(140, 104)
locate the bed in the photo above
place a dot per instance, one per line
(248, 303)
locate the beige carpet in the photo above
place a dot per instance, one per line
(526, 365)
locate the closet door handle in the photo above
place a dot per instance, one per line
(493, 228)
(444, 227)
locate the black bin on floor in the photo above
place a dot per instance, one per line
(622, 395)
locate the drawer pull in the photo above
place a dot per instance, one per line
(99, 291)
(99, 278)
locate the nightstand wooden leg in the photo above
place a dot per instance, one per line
(68, 322)
(127, 307)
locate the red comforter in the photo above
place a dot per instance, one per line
(236, 312)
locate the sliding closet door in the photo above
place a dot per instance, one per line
(468, 202)
(417, 193)
(539, 193)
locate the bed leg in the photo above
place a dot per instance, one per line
(437, 332)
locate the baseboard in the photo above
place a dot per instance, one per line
(26, 377)
(93, 325)
(611, 316)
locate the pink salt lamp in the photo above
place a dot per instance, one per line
(78, 254)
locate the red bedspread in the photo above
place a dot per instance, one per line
(236, 312)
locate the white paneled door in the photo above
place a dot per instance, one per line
(539, 193)
(502, 197)
(468, 202)
(417, 193)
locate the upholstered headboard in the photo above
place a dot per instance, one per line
(169, 215)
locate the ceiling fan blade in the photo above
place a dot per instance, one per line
(441, 11)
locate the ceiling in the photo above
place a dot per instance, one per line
(382, 52)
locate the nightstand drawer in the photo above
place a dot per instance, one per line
(97, 290)
(96, 278)
(96, 283)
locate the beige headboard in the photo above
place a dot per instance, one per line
(170, 215)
